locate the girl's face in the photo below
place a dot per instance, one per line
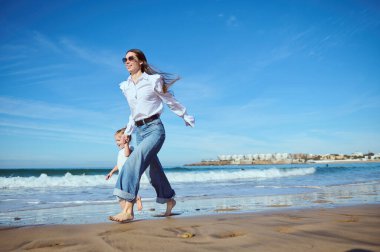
(118, 140)
(132, 63)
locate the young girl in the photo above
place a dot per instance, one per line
(123, 155)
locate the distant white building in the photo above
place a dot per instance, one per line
(281, 156)
(357, 154)
(248, 157)
(224, 157)
(261, 157)
(268, 157)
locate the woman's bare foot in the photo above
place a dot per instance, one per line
(139, 203)
(122, 217)
(169, 206)
(126, 214)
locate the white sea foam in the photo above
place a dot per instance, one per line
(239, 175)
(70, 180)
(83, 202)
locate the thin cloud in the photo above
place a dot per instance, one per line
(360, 103)
(33, 70)
(229, 20)
(94, 56)
(232, 21)
(42, 110)
(54, 132)
(277, 54)
(44, 42)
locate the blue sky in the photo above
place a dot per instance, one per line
(259, 77)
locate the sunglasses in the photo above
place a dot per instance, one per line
(130, 58)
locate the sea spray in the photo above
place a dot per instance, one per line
(69, 180)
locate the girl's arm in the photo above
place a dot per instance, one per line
(109, 175)
(127, 150)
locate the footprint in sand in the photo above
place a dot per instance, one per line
(184, 232)
(228, 234)
(285, 230)
(294, 217)
(49, 244)
(186, 235)
(351, 218)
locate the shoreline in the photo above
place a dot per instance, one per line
(261, 199)
(320, 229)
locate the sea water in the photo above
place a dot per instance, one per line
(70, 196)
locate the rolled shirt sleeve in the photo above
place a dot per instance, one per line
(172, 103)
(130, 126)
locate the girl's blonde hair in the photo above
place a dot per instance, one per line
(122, 130)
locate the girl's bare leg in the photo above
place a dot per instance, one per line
(139, 203)
(122, 203)
(126, 214)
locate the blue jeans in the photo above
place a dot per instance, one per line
(150, 138)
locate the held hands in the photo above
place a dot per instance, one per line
(125, 139)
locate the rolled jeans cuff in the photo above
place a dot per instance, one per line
(164, 200)
(124, 195)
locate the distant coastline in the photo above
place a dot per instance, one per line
(286, 158)
(221, 163)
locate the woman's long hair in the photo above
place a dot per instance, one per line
(167, 78)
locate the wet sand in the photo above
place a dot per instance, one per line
(354, 228)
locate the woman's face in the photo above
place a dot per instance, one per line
(133, 64)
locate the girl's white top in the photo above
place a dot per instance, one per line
(146, 98)
(121, 158)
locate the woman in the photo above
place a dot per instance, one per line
(146, 90)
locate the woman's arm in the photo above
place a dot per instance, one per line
(131, 123)
(128, 131)
(130, 126)
(172, 103)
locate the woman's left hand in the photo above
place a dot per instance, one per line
(188, 124)
(189, 120)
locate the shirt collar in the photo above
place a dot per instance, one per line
(144, 76)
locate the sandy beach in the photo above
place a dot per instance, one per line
(355, 228)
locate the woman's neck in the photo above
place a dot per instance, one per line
(136, 75)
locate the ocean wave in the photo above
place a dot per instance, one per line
(69, 180)
(239, 175)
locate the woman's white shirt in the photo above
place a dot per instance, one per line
(146, 98)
